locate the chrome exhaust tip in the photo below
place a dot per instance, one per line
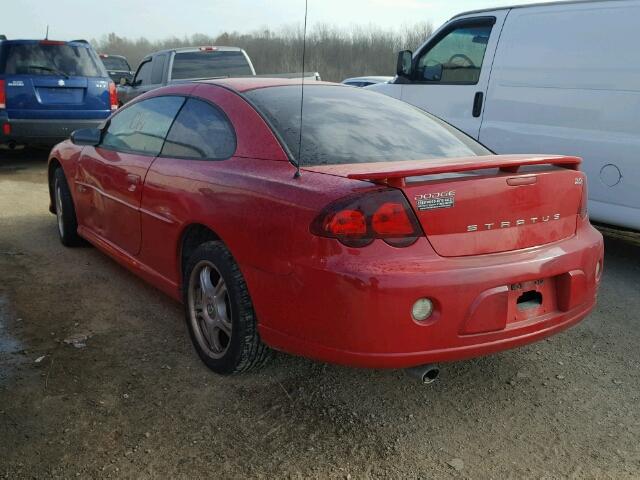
(426, 374)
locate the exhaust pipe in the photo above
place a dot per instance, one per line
(424, 373)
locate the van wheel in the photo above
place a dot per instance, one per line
(219, 312)
(65, 211)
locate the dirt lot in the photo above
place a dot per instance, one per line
(136, 402)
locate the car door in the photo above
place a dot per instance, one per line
(200, 141)
(451, 71)
(110, 176)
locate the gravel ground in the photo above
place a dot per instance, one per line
(125, 395)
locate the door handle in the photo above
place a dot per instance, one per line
(477, 104)
(133, 181)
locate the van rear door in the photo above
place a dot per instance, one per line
(451, 70)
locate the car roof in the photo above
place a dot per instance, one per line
(244, 84)
(21, 41)
(529, 5)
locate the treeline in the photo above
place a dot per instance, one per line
(333, 52)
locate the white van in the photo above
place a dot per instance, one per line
(546, 78)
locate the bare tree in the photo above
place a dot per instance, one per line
(334, 52)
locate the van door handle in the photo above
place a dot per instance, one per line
(477, 104)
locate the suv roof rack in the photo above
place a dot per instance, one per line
(81, 40)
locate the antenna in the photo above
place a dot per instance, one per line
(46, 35)
(304, 52)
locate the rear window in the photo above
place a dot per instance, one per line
(42, 59)
(351, 125)
(205, 64)
(115, 63)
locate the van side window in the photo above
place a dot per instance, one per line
(456, 58)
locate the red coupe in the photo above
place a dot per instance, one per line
(369, 234)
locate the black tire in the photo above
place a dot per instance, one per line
(67, 222)
(244, 349)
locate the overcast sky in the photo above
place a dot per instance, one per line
(155, 19)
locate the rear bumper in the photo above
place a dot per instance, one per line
(356, 309)
(41, 132)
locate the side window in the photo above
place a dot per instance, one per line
(457, 57)
(142, 127)
(143, 75)
(200, 131)
(158, 69)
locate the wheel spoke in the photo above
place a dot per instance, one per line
(223, 315)
(221, 287)
(208, 290)
(214, 333)
(204, 329)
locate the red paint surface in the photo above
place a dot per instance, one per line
(317, 298)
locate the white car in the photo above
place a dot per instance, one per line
(366, 81)
(560, 78)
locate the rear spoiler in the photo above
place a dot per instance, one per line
(394, 173)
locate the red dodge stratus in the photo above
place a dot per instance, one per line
(369, 234)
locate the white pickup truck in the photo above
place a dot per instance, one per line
(187, 64)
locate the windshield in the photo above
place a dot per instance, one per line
(206, 64)
(349, 125)
(43, 59)
(115, 63)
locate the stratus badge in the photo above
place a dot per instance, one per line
(517, 223)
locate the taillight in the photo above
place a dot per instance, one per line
(113, 96)
(3, 95)
(358, 220)
(584, 201)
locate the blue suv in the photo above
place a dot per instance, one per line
(49, 89)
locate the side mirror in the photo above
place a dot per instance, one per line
(86, 136)
(404, 67)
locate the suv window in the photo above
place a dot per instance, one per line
(205, 64)
(354, 125)
(50, 59)
(457, 57)
(200, 131)
(142, 127)
(143, 76)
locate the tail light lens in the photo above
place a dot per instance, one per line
(113, 96)
(3, 95)
(356, 221)
(584, 202)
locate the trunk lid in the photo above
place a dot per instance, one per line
(481, 205)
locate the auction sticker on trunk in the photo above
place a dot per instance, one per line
(431, 201)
